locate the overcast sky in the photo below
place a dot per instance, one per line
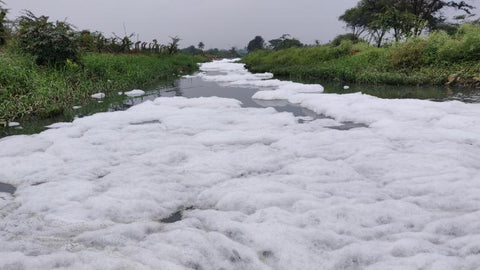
(218, 23)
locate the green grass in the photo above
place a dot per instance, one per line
(423, 61)
(30, 91)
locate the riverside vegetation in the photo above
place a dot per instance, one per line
(436, 59)
(47, 67)
(32, 91)
(387, 44)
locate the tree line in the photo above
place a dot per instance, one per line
(284, 42)
(376, 20)
(55, 42)
(402, 19)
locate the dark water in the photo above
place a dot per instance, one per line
(191, 88)
(196, 87)
(7, 188)
(434, 93)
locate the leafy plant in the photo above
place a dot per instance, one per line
(3, 28)
(257, 43)
(50, 43)
(173, 45)
(284, 42)
(409, 54)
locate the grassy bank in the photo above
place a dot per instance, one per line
(31, 91)
(433, 60)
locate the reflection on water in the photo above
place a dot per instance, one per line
(196, 87)
(434, 93)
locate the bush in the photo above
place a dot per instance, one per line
(433, 44)
(465, 47)
(49, 43)
(350, 37)
(3, 28)
(409, 54)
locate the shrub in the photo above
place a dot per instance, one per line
(50, 43)
(433, 44)
(409, 54)
(3, 28)
(465, 47)
(351, 37)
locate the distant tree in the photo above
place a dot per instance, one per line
(427, 13)
(201, 46)
(125, 42)
(284, 42)
(350, 36)
(3, 27)
(256, 44)
(233, 52)
(401, 18)
(191, 50)
(172, 47)
(356, 19)
(86, 41)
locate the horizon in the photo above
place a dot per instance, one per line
(216, 23)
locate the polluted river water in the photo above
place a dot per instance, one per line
(194, 86)
(209, 183)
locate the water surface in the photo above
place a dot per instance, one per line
(196, 87)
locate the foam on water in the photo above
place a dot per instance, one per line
(262, 191)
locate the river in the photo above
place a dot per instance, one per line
(193, 87)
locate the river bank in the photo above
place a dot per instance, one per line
(35, 92)
(437, 59)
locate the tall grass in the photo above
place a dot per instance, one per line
(27, 90)
(429, 60)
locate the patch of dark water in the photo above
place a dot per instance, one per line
(7, 188)
(348, 126)
(196, 87)
(175, 217)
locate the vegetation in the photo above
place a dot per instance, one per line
(434, 59)
(375, 19)
(3, 28)
(284, 42)
(31, 91)
(257, 43)
(50, 43)
(47, 67)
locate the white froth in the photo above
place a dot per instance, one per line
(258, 190)
(98, 95)
(135, 93)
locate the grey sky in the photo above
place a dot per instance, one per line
(218, 23)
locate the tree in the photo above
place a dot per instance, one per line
(201, 46)
(172, 47)
(401, 18)
(257, 43)
(233, 52)
(51, 43)
(350, 36)
(284, 42)
(3, 27)
(356, 19)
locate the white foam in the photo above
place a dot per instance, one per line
(258, 190)
(235, 74)
(135, 93)
(98, 95)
